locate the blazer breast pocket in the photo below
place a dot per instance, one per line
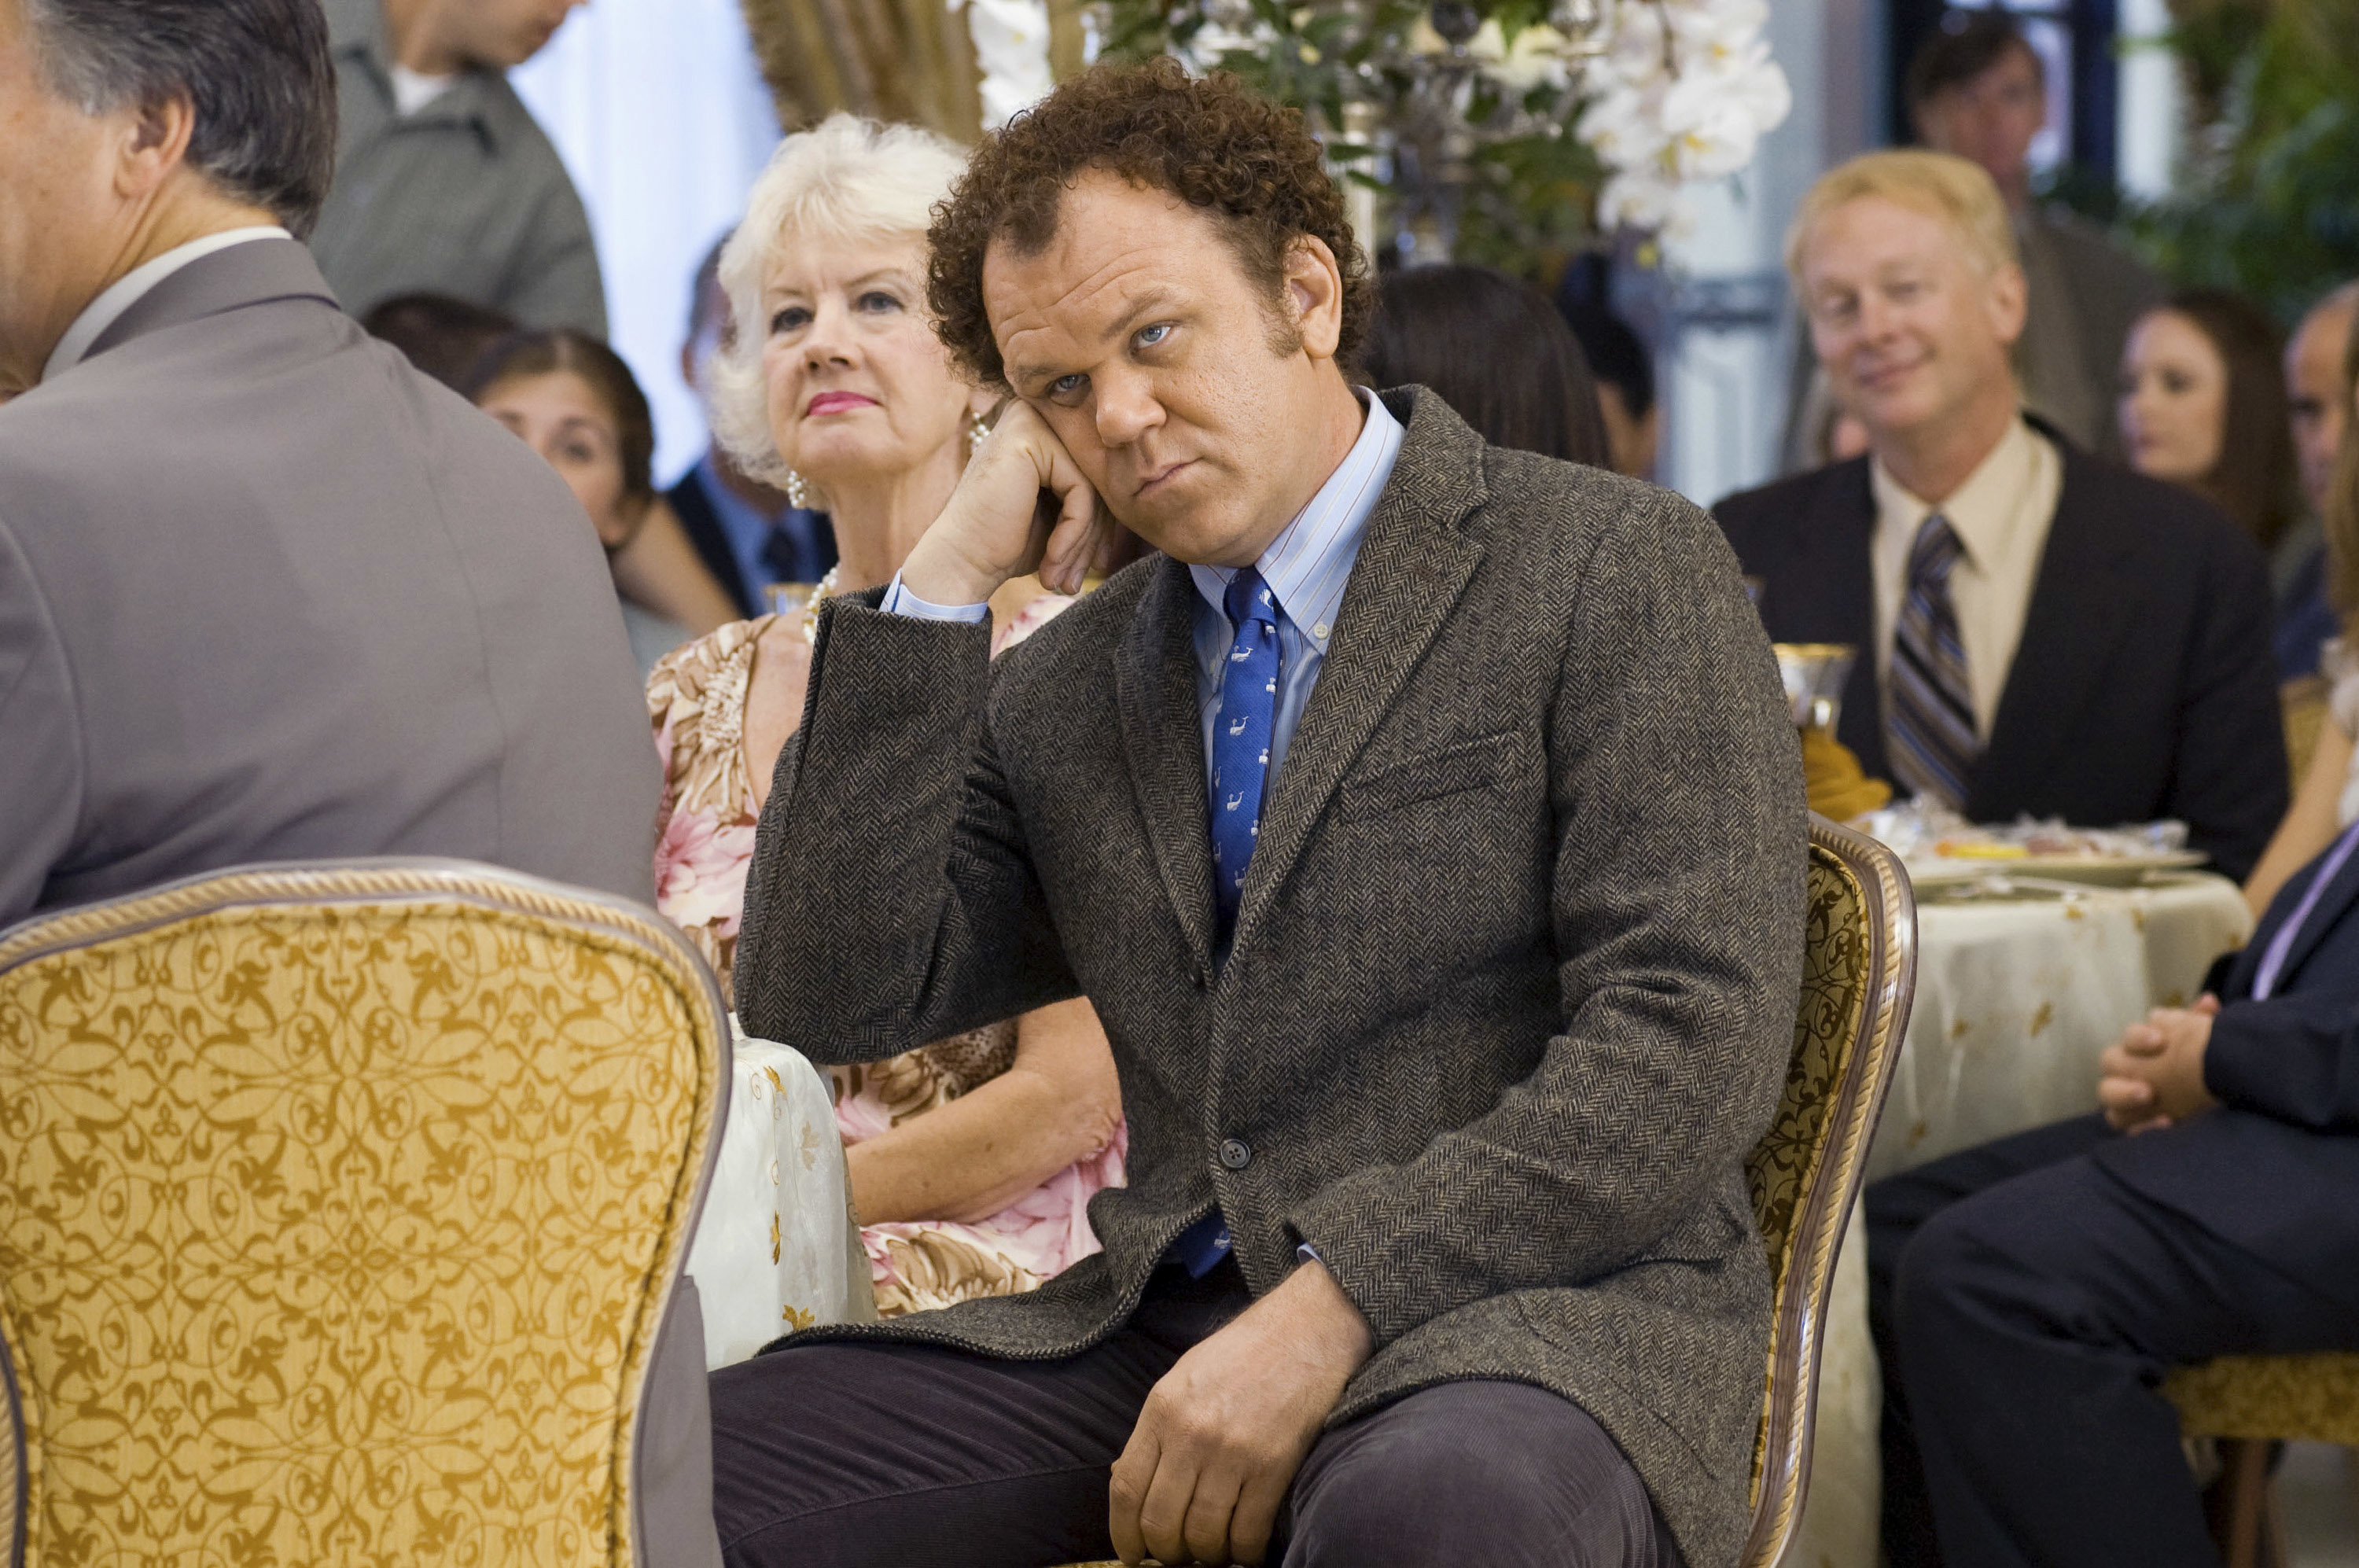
(1456, 768)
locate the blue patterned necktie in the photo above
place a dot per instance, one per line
(1934, 746)
(1243, 727)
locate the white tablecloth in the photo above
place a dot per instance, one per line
(776, 1248)
(2016, 998)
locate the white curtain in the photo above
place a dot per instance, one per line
(659, 111)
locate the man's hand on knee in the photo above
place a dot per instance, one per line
(1223, 1433)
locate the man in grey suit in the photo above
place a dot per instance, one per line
(265, 592)
(1426, 826)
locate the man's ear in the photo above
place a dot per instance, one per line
(153, 143)
(2008, 300)
(1314, 295)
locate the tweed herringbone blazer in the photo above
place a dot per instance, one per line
(1514, 975)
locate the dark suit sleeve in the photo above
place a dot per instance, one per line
(2229, 781)
(40, 740)
(891, 901)
(2295, 1058)
(1679, 837)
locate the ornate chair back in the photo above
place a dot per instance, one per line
(339, 1208)
(1859, 975)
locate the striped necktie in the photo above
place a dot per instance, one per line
(1931, 720)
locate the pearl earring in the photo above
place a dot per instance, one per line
(977, 429)
(796, 492)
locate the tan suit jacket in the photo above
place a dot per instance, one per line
(269, 593)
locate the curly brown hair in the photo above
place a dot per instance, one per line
(1210, 141)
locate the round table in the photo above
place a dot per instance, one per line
(2020, 986)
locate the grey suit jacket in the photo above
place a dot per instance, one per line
(269, 593)
(464, 197)
(1514, 978)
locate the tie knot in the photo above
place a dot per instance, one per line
(1936, 550)
(1249, 599)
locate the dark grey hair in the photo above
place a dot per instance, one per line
(257, 72)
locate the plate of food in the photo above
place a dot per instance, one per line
(1939, 846)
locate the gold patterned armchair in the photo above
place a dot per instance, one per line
(340, 1205)
(2250, 1402)
(1859, 975)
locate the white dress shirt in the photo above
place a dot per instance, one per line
(133, 286)
(2001, 516)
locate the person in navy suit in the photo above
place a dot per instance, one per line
(2027, 1296)
(2039, 631)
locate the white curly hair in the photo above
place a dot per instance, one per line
(845, 180)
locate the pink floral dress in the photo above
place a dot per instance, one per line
(696, 697)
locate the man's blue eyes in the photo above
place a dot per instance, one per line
(1066, 384)
(1154, 334)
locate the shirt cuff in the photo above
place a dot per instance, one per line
(900, 600)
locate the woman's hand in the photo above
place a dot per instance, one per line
(971, 1158)
(1023, 506)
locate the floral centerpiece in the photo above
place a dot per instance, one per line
(1511, 132)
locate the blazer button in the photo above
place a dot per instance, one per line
(1235, 1154)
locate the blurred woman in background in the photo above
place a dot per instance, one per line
(573, 400)
(2204, 405)
(1497, 351)
(970, 1160)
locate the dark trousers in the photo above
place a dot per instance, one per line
(837, 1455)
(2025, 1304)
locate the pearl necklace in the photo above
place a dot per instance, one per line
(825, 586)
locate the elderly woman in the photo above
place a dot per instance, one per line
(970, 1160)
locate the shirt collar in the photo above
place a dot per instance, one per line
(1309, 562)
(1982, 512)
(134, 286)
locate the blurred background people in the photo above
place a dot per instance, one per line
(748, 534)
(2313, 372)
(1978, 90)
(2202, 405)
(2041, 631)
(573, 400)
(1496, 352)
(1619, 365)
(444, 183)
(971, 1160)
(2328, 800)
(439, 335)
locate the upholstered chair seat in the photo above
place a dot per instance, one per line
(2251, 1402)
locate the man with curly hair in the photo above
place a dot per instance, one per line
(1424, 823)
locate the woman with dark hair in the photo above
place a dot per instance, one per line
(2204, 405)
(573, 400)
(1495, 350)
(2328, 800)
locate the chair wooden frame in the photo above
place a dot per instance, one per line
(376, 883)
(1833, 1182)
